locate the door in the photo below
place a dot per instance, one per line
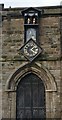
(30, 98)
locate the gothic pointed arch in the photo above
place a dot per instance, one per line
(36, 68)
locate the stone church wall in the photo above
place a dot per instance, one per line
(11, 59)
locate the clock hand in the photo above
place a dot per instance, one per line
(34, 48)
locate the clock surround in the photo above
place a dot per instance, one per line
(31, 50)
(31, 22)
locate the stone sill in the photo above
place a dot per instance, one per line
(9, 90)
(39, 58)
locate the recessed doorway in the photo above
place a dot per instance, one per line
(30, 98)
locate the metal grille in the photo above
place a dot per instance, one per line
(30, 99)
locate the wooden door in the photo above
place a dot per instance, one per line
(30, 98)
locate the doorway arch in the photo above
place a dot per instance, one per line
(38, 69)
(30, 98)
(42, 73)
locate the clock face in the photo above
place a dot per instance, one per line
(31, 34)
(31, 49)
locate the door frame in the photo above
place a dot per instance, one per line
(43, 73)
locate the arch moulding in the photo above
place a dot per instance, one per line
(36, 68)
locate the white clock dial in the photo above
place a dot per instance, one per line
(31, 49)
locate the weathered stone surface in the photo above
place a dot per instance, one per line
(11, 59)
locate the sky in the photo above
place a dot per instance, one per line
(29, 3)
